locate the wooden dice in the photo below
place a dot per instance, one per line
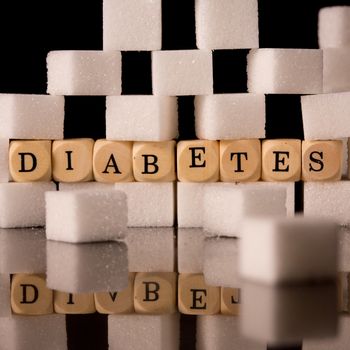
(68, 303)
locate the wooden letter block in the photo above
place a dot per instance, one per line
(198, 161)
(30, 296)
(155, 293)
(112, 161)
(154, 161)
(230, 300)
(72, 160)
(116, 302)
(195, 297)
(322, 160)
(30, 161)
(77, 303)
(281, 160)
(240, 160)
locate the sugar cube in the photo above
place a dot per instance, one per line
(286, 315)
(144, 332)
(182, 72)
(23, 204)
(84, 73)
(5, 297)
(190, 246)
(334, 27)
(339, 342)
(326, 116)
(86, 268)
(151, 249)
(219, 332)
(344, 249)
(89, 186)
(31, 116)
(217, 116)
(220, 262)
(40, 332)
(336, 69)
(85, 216)
(149, 204)
(277, 250)
(133, 25)
(190, 203)
(285, 71)
(22, 250)
(141, 118)
(328, 200)
(228, 24)
(226, 205)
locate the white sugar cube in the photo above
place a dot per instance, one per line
(227, 24)
(22, 250)
(84, 73)
(226, 205)
(339, 342)
(328, 200)
(86, 268)
(326, 116)
(217, 116)
(336, 69)
(288, 314)
(149, 204)
(278, 250)
(85, 216)
(189, 204)
(40, 333)
(132, 25)
(190, 246)
(31, 116)
(5, 296)
(182, 72)
(90, 186)
(285, 71)
(141, 118)
(144, 332)
(219, 332)
(151, 249)
(334, 27)
(4, 160)
(23, 204)
(220, 262)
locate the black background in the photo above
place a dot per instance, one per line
(29, 29)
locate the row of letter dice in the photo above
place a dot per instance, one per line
(146, 293)
(80, 160)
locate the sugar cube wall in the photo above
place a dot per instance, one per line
(31, 116)
(23, 204)
(275, 251)
(143, 332)
(133, 25)
(227, 24)
(84, 73)
(5, 297)
(86, 268)
(334, 27)
(141, 118)
(218, 116)
(86, 216)
(326, 116)
(182, 72)
(285, 71)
